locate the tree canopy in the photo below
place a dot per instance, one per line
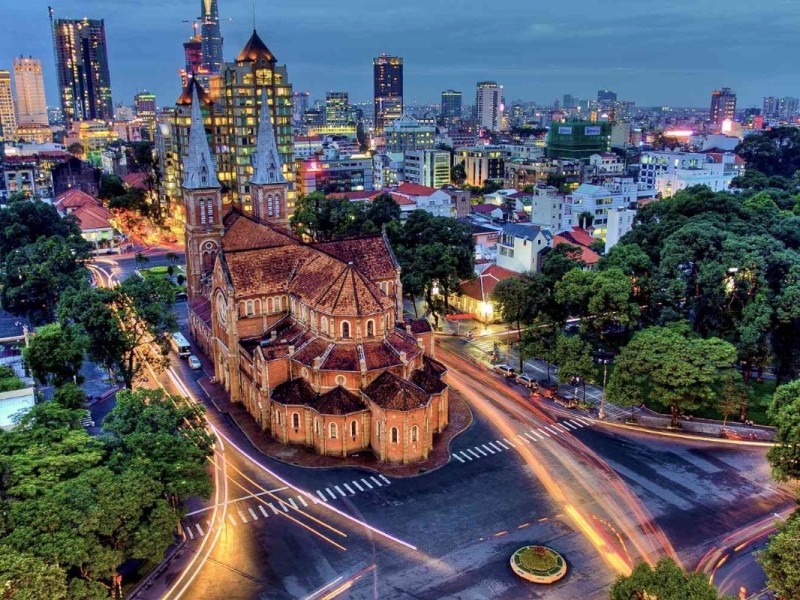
(781, 559)
(772, 152)
(667, 581)
(55, 354)
(322, 219)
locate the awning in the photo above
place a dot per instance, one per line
(461, 317)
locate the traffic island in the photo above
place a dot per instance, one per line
(538, 564)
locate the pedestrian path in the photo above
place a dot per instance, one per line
(244, 511)
(531, 436)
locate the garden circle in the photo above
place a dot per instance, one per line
(538, 564)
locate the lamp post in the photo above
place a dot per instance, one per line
(603, 358)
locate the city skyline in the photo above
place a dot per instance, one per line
(542, 56)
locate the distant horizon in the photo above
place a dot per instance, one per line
(678, 61)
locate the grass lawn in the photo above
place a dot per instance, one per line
(537, 561)
(155, 273)
(760, 397)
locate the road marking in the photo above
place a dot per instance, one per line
(509, 442)
(355, 483)
(528, 435)
(496, 447)
(538, 436)
(263, 512)
(566, 424)
(458, 458)
(378, 483)
(321, 495)
(282, 504)
(189, 531)
(366, 483)
(523, 438)
(199, 529)
(552, 430)
(465, 455)
(292, 502)
(303, 502)
(562, 427)
(242, 517)
(477, 449)
(586, 420)
(272, 506)
(348, 488)
(475, 454)
(255, 517)
(338, 489)
(386, 480)
(501, 444)
(331, 494)
(489, 450)
(577, 423)
(233, 521)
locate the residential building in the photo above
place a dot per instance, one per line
(457, 139)
(566, 173)
(77, 174)
(607, 163)
(547, 207)
(723, 107)
(606, 99)
(575, 236)
(337, 109)
(521, 247)
(460, 199)
(451, 107)
(387, 80)
(669, 172)
(427, 167)
(8, 116)
(308, 337)
(482, 163)
(82, 67)
(431, 200)
(620, 222)
(95, 221)
(588, 207)
(475, 297)
(347, 174)
(31, 103)
(14, 403)
(388, 169)
(26, 168)
(578, 139)
(780, 109)
(406, 135)
(490, 106)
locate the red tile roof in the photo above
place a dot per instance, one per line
(481, 287)
(339, 401)
(93, 217)
(74, 198)
(243, 232)
(370, 255)
(589, 256)
(413, 189)
(136, 180)
(483, 209)
(392, 393)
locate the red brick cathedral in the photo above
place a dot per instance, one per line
(308, 336)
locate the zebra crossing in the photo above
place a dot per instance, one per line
(239, 514)
(531, 436)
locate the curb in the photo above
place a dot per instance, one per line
(686, 436)
(158, 570)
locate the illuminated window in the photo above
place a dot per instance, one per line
(334, 431)
(346, 330)
(414, 434)
(249, 308)
(296, 420)
(353, 429)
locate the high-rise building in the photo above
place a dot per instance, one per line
(210, 36)
(29, 83)
(490, 105)
(407, 134)
(723, 107)
(784, 109)
(82, 67)
(337, 109)
(451, 106)
(8, 118)
(606, 99)
(145, 105)
(569, 101)
(388, 90)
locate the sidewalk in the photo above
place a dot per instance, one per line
(481, 347)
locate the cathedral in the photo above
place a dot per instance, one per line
(309, 337)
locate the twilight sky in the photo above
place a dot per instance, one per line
(671, 52)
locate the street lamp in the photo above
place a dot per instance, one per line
(603, 358)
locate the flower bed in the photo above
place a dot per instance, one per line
(538, 564)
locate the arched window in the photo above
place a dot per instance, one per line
(414, 434)
(249, 308)
(296, 420)
(346, 330)
(370, 328)
(278, 304)
(334, 431)
(323, 325)
(316, 427)
(269, 306)
(353, 429)
(395, 435)
(385, 287)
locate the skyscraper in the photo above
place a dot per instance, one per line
(490, 105)
(29, 82)
(211, 36)
(388, 90)
(145, 105)
(337, 109)
(606, 99)
(82, 67)
(451, 106)
(8, 118)
(723, 107)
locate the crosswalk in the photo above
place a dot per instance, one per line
(269, 505)
(531, 436)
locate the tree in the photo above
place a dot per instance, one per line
(539, 340)
(732, 396)
(781, 559)
(172, 258)
(772, 152)
(671, 367)
(141, 260)
(9, 380)
(561, 260)
(70, 396)
(23, 223)
(667, 581)
(76, 149)
(458, 173)
(574, 358)
(383, 210)
(111, 186)
(24, 576)
(510, 298)
(784, 413)
(55, 354)
(127, 327)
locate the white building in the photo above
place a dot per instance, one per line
(521, 247)
(13, 403)
(490, 105)
(29, 84)
(620, 222)
(530, 150)
(547, 207)
(607, 163)
(407, 134)
(596, 200)
(673, 181)
(388, 169)
(500, 197)
(436, 202)
(430, 168)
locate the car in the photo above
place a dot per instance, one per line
(527, 380)
(194, 362)
(504, 370)
(181, 297)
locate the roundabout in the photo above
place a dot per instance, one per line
(538, 564)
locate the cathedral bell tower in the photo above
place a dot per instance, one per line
(203, 202)
(268, 186)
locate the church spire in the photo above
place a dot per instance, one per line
(267, 163)
(199, 166)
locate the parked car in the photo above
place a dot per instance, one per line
(527, 380)
(194, 362)
(504, 370)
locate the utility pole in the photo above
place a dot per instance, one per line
(603, 358)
